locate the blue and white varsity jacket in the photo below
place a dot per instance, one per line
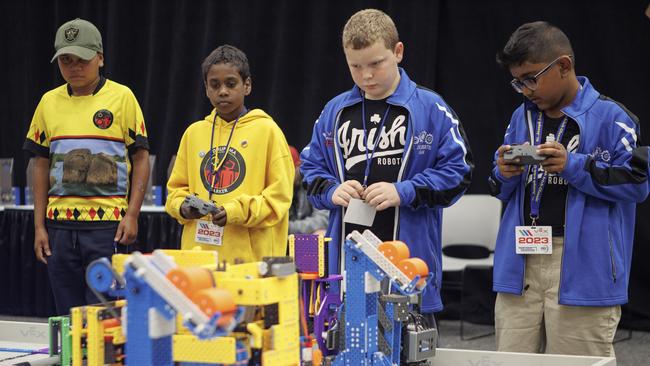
(607, 176)
(436, 170)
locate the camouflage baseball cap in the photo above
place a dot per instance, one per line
(78, 37)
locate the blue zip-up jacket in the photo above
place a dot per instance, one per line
(607, 175)
(436, 170)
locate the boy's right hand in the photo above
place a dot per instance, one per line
(42, 245)
(508, 169)
(346, 191)
(190, 212)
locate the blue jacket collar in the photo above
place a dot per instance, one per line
(585, 98)
(400, 96)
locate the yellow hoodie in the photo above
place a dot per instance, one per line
(254, 184)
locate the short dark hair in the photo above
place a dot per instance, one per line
(534, 42)
(227, 54)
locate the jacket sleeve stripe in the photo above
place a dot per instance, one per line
(636, 174)
(431, 198)
(494, 185)
(456, 123)
(318, 186)
(459, 142)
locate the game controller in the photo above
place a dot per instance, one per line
(203, 207)
(527, 155)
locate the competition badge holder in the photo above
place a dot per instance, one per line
(535, 239)
(359, 212)
(208, 233)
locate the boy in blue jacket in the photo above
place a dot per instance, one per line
(563, 252)
(395, 147)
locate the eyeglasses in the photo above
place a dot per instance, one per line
(531, 82)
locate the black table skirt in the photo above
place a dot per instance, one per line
(26, 288)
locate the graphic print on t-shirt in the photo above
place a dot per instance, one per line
(386, 141)
(89, 166)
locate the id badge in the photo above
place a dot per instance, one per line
(208, 233)
(359, 212)
(534, 239)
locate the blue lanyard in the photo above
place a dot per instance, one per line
(537, 187)
(216, 166)
(365, 138)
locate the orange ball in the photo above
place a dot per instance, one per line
(394, 250)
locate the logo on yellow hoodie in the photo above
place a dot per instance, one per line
(229, 176)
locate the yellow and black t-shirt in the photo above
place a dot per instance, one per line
(88, 140)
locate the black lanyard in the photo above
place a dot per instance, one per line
(216, 166)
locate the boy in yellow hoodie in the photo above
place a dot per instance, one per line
(239, 159)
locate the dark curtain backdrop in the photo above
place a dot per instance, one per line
(156, 48)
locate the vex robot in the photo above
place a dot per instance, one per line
(376, 321)
(243, 314)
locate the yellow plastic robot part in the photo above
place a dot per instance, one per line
(292, 246)
(183, 258)
(244, 270)
(256, 332)
(321, 256)
(117, 261)
(188, 348)
(95, 337)
(76, 321)
(94, 333)
(280, 343)
(193, 258)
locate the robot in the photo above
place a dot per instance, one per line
(243, 314)
(372, 316)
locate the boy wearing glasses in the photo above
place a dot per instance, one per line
(564, 246)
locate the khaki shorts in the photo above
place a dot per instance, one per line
(535, 322)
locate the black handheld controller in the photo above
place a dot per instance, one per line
(527, 155)
(203, 207)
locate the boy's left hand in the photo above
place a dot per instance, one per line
(556, 156)
(381, 195)
(220, 218)
(127, 230)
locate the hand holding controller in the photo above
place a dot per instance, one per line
(193, 207)
(523, 155)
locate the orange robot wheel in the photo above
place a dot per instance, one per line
(211, 300)
(190, 280)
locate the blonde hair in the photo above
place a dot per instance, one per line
(368, 26)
